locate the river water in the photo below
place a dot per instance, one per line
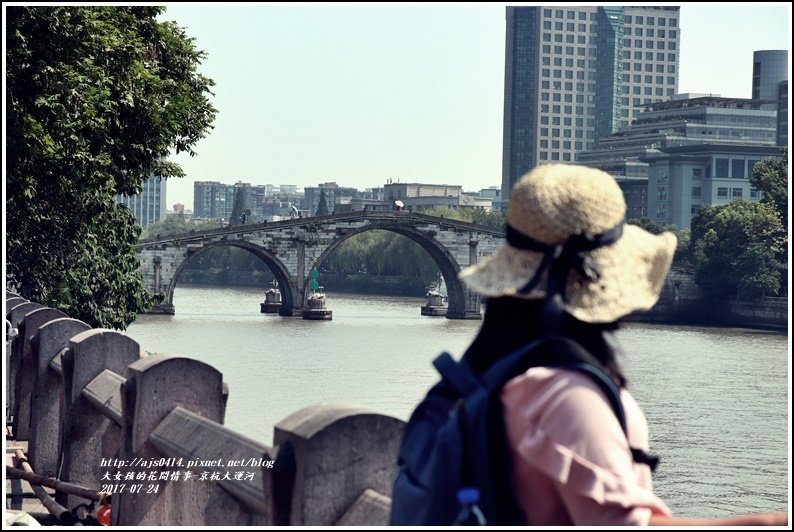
(716, 399)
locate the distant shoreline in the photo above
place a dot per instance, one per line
(765, 316)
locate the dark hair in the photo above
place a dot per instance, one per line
(512, 322)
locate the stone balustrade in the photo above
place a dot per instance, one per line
(99, 412)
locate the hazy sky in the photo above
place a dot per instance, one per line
(359, 94)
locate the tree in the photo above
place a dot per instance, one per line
(238, 209)
(322, 205)
(494, 219)
(174, 224)
(770, 176)
(651, 226)
(96, 100)
(683, 254)
(735, 248)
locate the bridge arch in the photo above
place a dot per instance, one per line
(290, 248)
(456, 293)
(289, 292)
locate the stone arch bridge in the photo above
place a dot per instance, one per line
(291, 248)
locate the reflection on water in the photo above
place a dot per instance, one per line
(716, 399)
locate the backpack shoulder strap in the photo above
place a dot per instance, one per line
(562, 352)
(457, 375)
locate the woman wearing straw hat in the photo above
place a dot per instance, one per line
(571, 267)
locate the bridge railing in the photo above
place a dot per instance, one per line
(149, 429)
(406, 216)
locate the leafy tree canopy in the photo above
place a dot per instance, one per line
(771, 177)
(651, 226)
(174, 224)
(381, 253)
(683, 253)
(494, 219)
(96, 99)
(735, 248)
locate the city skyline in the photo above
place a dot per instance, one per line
(363, 94)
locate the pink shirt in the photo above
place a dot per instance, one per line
(572, 463)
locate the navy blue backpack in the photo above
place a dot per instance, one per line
(455, 437)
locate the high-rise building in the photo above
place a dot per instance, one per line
(212, 199)
(770, 67)
(690, 135)
(148, 206)
(334, 195)
(682, 179)
(770, 82)
(575, 74)
(681, 121)
(782, 114)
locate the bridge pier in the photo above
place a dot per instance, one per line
(162, 308)
(467, 314)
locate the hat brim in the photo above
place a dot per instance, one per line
(633, 271)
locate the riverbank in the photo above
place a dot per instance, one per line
(771, 316)
(681, 302)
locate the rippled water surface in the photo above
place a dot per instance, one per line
(717, 400)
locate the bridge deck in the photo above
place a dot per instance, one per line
(372, 216)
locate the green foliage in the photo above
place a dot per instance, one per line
(735, 248)
(96, 99)
(238, 210)
(771, 177)
(651, 226)
(227, 258)
(227, 265)
(683, 252)
(446, 212)
(494, 219)
(174, 224)
(322, 205)
(384, 253)
(381, 253)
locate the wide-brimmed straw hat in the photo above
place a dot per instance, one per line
(567, 238)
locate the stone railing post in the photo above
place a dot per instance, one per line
(89, 436)
(15, 315)
(27, 330)
(156, 385)
(45, 415)
(340, 452)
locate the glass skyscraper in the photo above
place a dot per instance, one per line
(770, 82)
(770, 67)
(575, 74)
(148, 206)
